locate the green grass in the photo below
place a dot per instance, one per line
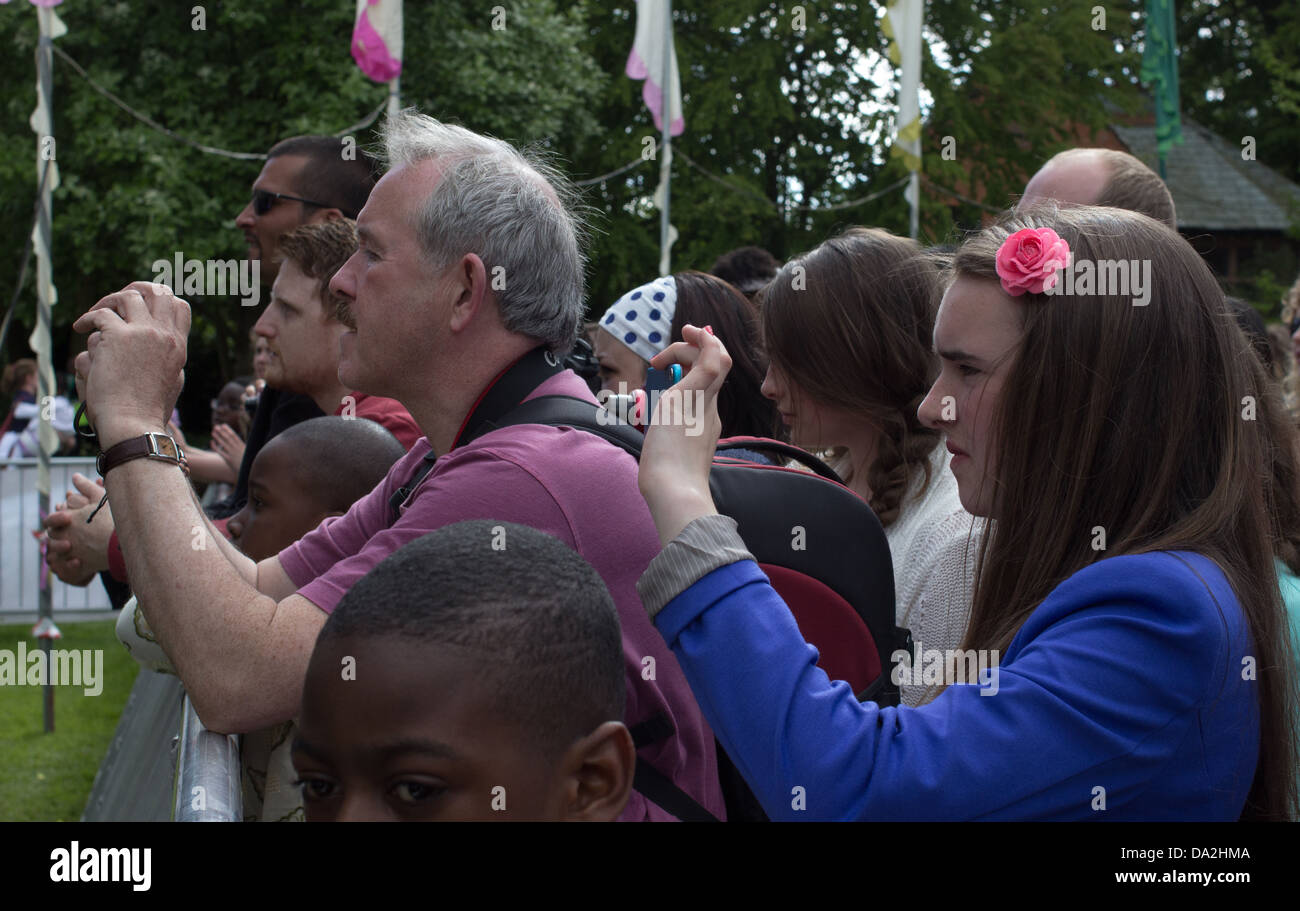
(47, 777)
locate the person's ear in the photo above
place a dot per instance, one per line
(323, 215)
(597, 771)
(470, 286)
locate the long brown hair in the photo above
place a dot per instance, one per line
(1153, 422)
(852, 323)
(706, 300)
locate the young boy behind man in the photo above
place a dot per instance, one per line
(301, 477)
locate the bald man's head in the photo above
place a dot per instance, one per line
(1102, 177)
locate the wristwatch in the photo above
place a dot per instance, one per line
(147, 446)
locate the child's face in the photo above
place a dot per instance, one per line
(278, 511)
(228, 407)
(392, 730)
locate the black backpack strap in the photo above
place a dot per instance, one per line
(776, 447)
(502, 396)
(654, 785)
(402, 493)
(550, 410)
(505, 393)
(567, 411)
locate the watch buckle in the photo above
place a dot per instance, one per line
(156, 450)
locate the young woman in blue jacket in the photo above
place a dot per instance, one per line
(1103, 413)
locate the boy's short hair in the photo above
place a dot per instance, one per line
(341, 459)
(547, 629)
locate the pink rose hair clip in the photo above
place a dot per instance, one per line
(1028, 261)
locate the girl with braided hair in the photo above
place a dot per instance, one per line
(848, 330)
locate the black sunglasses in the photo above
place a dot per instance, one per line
(1295, 324)
(264, 201)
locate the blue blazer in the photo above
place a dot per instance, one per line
(1129, 694)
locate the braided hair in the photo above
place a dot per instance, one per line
(863, 305)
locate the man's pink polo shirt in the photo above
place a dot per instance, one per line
(569, 484)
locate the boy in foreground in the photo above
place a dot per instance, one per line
(474, 674)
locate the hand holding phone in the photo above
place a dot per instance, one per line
(656, 381)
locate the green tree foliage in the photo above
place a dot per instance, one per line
(257, 73)
(795, 126)
(780, 118)
(788, 128)
(1240, 72)
(1020, 83)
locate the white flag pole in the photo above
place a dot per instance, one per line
(42, 122)
(394, 97)
(666, 162)
(395, 86)
(914, 195)
(903, 23)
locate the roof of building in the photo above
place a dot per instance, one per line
(1214, 189)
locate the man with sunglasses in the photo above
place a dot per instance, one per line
(306, 180)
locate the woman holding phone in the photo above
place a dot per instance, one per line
(647, 319)
(1125, 592)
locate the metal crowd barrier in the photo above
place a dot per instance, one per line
(208, 773)
(20, 552)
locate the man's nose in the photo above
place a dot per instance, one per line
(245, 219)
(342, 281)
(264, 327)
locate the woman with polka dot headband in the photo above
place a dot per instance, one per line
(649, 318)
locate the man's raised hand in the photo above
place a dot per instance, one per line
(133, 367)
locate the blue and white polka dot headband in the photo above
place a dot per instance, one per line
(643, 319)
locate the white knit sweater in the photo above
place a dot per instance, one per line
(934, 543)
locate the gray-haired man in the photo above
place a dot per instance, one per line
(466, 288)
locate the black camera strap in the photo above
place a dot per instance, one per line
(501, 396)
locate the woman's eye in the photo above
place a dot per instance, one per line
(966, 370)
(415, 791)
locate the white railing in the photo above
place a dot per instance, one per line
(20, 552)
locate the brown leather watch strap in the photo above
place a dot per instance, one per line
(146, 446)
